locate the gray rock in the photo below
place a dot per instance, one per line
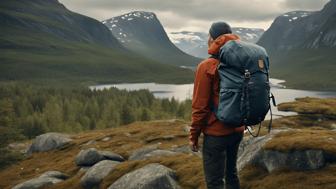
(251, 152)
(46, 179)
(106, 139)
(295, 160)
(55, 174)
(111, 156)
(152, 176)
(160, 153)
(84, 168)
(48, 141)
(90, 142)
(92, 156)
(182, 149)
(97, 173)
(137, 154)
(88, 157)
(37, 183)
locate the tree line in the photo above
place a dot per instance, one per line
(32, 110)
(27, 111)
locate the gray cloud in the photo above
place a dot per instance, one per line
(177, 14)
(304, 4)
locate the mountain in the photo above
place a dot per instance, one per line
(142, 33)
(40, 19)
(195, 43)
(302, 47)
(42, 41)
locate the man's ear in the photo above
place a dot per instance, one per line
(210, 40)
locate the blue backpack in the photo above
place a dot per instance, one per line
(244, 96)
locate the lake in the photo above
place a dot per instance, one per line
(184, 91)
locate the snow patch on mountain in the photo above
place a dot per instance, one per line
(296, 15)
(195, 43)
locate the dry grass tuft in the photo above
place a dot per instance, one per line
(258, 178)
(308, 105)
(303, 139)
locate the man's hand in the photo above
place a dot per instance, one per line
(194, 146)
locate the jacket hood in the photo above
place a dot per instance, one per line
(220, 41)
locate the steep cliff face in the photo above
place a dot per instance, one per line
(302, 29)
(301, 45)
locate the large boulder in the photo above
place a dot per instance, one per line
(293, 160)
(91, 156)
(46, 179)
(252, 152)
(151, 176)
(88, 157)
(97, 173)
(48, 141)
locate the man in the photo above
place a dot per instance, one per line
(221, 142)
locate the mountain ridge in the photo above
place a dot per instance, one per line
(195, 43)
(42, 42)
(143, 33)
(301, 45)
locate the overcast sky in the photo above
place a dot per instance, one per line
(196, 15)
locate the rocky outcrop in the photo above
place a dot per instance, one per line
(252, 152)
(46, 179)
(97, 173)
(294, 160)
(152, 176)
(48, 141)
(91, 156)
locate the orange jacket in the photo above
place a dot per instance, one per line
(206, 92)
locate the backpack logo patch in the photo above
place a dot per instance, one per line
(261, 64)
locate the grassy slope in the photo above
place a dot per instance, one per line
(306, 69)
(187, 166)
(43, 58)
(142, 133)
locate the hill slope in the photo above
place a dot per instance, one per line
(165, 142)
(143, 33)
(302, 45)
(41, 41)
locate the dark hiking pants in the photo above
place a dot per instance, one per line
(219, 161)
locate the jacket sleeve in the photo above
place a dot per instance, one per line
(200, 101)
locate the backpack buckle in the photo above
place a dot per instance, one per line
(247, 74)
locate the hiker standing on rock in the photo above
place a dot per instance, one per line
(221, 141)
